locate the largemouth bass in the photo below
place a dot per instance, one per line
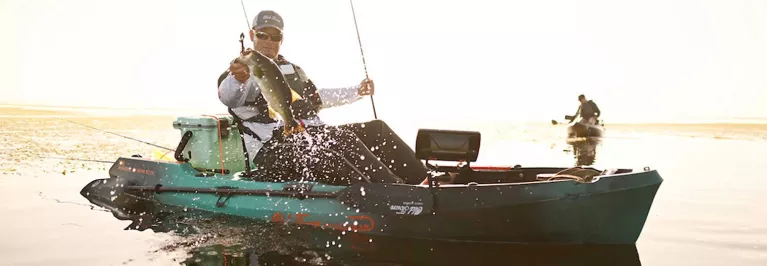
(274, 88)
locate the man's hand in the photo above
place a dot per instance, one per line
(367, 87)
(240, 71)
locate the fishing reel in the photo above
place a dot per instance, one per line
(242, 43)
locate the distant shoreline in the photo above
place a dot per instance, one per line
(3, 105)
(19, 110)
(124, 111)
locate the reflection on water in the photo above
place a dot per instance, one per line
(585, 150)
(426, 254)
(213, 239)
(236, 255)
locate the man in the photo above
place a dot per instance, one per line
(588, 111)
(243, 98)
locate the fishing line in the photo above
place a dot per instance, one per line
(76, 159)
(246, 14)
(93, 208)
(155, 145)
(359, 40)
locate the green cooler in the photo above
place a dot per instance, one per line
(204, 143)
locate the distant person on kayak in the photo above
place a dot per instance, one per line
(371, 141)
(588, 111)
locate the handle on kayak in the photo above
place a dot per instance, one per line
(179, 155)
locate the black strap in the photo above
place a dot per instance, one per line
(243, 128)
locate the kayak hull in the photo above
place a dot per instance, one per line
(508, 205)
(580, 130)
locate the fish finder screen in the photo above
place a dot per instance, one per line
(448, 145)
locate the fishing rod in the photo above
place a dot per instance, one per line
(155, 145)
(359, 40)
(242, 35)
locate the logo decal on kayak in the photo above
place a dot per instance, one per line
(407, 208)
(122, 167)
(357, 223)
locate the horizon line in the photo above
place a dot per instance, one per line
(711, 121)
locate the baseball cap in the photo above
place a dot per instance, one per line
(267, 18)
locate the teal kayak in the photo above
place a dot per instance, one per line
(546, 205)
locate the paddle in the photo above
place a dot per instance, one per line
(555, 122)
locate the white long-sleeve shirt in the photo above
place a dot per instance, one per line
(235, 94)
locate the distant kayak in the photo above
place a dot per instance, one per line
(580, 130)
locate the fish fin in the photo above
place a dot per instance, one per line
(288, 130)
(294, 96)
(298, 129)
(272, 113)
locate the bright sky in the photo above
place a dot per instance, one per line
(652, 60)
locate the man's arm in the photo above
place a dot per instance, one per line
(577, 112)
(596, 109)
(233, 93)
(332, 97)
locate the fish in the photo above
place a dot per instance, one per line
(274, 87)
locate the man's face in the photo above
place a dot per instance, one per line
(582, 99)
(267, 41)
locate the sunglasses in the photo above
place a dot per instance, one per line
(263, 36)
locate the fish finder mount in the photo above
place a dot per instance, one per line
(447, 145)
